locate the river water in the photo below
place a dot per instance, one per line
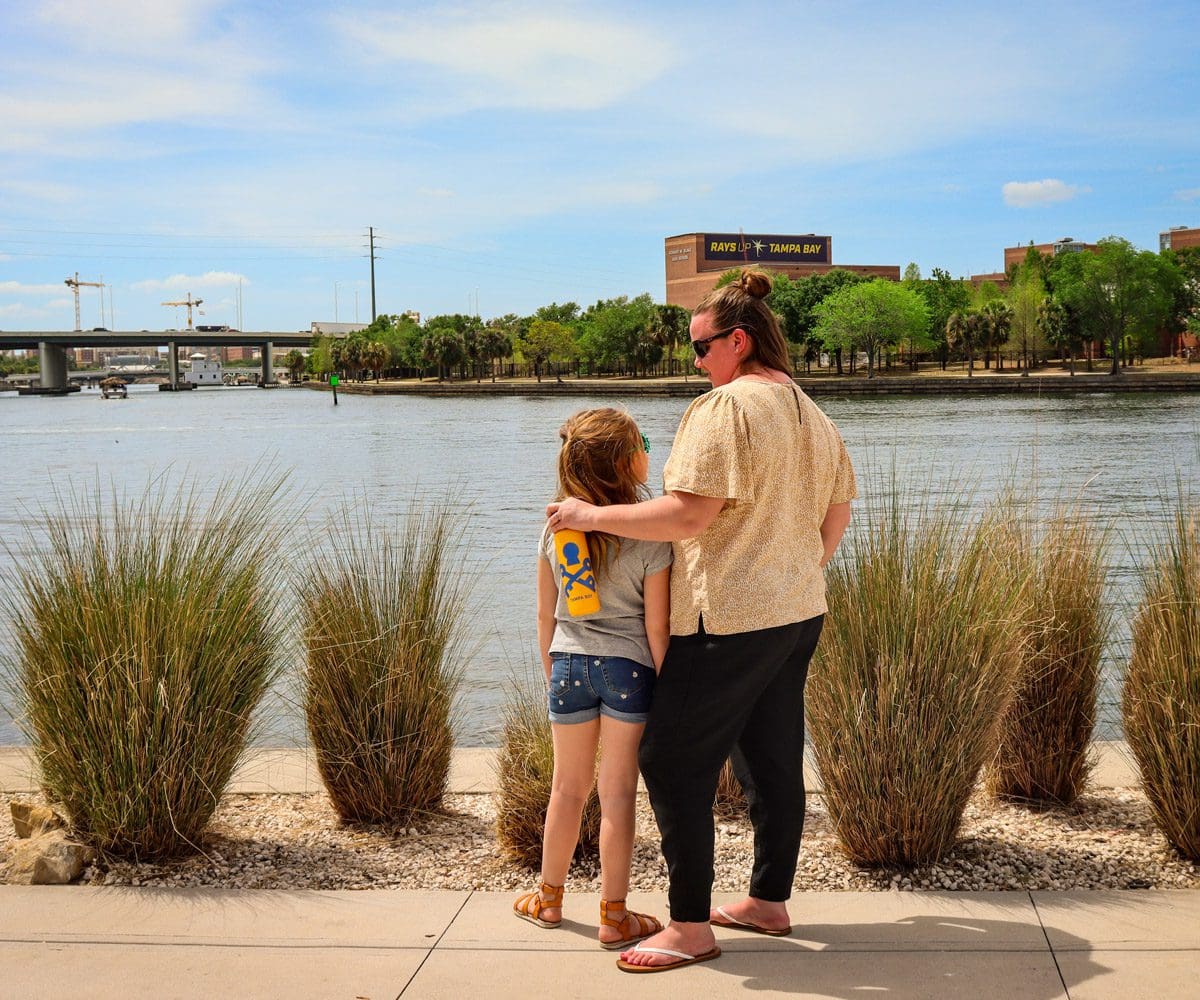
(493, 459)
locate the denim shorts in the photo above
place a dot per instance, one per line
(583, 688)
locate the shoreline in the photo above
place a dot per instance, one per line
(934, 383)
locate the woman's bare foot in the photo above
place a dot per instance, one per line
(755, 913)
(689, 938)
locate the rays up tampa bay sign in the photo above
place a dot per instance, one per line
(758, 249)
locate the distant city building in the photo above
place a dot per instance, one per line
(322, 329)
(695, 261)
(1015, 257)
(203, 371)
(1179, 238)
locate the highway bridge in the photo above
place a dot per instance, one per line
(52, 348)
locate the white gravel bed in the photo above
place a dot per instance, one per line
(1106, 841)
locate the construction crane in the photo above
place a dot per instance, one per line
(74, 284)
(189, 302)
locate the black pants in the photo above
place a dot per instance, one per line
(729, 696)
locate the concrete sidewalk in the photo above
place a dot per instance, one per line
(112, 943)
(108, 943)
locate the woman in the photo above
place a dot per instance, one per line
(757, 495)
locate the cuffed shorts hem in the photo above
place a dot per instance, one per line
(574, 718)
(588, 714)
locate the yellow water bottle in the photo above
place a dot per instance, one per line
(576, 573)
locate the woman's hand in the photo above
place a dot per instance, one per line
(570, 513)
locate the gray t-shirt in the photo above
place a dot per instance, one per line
(619, 627)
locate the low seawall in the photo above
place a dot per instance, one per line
(884, 385)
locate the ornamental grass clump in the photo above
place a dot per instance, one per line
(730, 800)
(146, 633)
(1044, 752)
(913, 672)
(384, 618)
(1161, 702)
(525, 775)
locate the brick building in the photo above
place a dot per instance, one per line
(1179, 238)
(694, 261)
(1015, 256)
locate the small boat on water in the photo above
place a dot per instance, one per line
(113, 388)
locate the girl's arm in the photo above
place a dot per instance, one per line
(547, 599)
(668, 518)
(656, 591)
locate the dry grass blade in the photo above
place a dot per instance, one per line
(1044, 753)
(915, 666)
(525, 775)
(1161, 701)
(383, 624)
(146, 633)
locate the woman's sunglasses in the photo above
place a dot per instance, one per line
(702, 347)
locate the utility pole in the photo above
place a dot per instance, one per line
(371, 232)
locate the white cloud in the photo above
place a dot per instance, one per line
(518, 57)
(190, 282)
(49, 191)
(82, 69)
(16, 288)
(1188, 194)
(126, 25)
(1024, 194)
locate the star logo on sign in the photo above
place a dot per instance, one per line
(758, 247)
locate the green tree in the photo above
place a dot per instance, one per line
(444, 347)
(1025, 298)
(1123, 295)
(547, 340)
(960, 332)
(1054, 323)
(495, 342)
(871, 315)
(615, 333)
(295, 362)
(943, 296)
(564, 314)
(668, 328)
(375, 357)
(997, 317)
(796, 302)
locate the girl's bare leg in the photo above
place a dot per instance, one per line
(574, 773)
(618, 803)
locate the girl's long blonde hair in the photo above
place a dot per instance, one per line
(596, 464)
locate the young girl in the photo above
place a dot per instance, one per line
(600, 672)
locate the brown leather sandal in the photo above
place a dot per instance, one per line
(614, 914)
(530, 906)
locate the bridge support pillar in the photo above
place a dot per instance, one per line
(52, 366)
(268, 364)
(173, 364)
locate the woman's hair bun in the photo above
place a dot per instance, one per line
(755, 283)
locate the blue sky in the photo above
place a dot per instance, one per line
(514, 154)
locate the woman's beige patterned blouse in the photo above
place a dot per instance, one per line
(780, 462)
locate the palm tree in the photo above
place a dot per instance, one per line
(493, 346)
(997, 316)
(444, 347)
(1052, 321)
(375, 355)
(668, 325)
(960, 331)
